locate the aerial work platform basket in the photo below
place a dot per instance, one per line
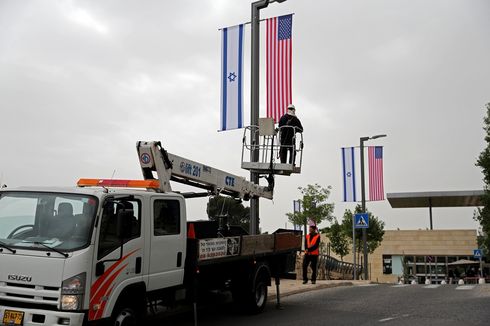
(269, 148)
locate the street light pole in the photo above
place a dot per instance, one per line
(363, 203)
(254, 105)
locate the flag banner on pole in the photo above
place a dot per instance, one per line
(297, 209)
(232, 44)
(296, 206)
(279, 44)
(349, 175)
(375, 165)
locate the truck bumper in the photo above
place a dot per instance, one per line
(38, 317)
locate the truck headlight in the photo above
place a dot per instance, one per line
(72, 291)
(71, 302)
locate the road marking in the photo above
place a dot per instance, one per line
(432, 286)
(400, 285)
(392, 318)
(465, 287)
(370, 284)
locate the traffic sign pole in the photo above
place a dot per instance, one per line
(354, 244)
(478, 253)
(481, 267)
(359, 221)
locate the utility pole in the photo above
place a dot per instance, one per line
(254, 103)
(254, 110)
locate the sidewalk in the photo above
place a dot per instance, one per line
(290, 287)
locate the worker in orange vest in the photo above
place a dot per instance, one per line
(312, 250)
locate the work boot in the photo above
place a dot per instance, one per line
(304, 282)
(313, 282)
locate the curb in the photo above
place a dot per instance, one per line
(309, 289)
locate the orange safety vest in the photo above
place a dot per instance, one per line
(310, 242)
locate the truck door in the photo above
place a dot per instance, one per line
(113, 269)
(168, 242)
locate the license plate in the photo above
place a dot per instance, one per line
(11, 317)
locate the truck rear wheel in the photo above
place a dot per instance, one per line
(253, 298)
(259, 298)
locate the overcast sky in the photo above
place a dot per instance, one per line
(82, 81)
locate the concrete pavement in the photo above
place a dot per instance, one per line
(290, 287)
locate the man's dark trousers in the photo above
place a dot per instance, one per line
(283, 153)
(311, 260)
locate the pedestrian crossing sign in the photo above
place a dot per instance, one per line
(477, 253)
(361, 221)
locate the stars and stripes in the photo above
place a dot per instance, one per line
(375, 166)
(279, 65)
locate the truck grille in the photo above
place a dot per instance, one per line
(28, 293)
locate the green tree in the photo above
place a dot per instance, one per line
(375, 232)
(339, 240)
(482, 215)
(237, 213)
(314, 206)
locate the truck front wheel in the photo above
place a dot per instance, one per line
(125, 317)
(130, 308)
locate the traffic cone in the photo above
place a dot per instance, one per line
(191, 234)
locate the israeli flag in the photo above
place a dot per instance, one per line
(232, 77)
(349, 175)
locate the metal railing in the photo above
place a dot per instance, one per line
(269, 148)
(331, 266)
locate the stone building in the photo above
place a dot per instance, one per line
(420, 254)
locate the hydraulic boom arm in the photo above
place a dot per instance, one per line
(170, 167)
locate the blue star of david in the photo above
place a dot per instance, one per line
(232, 76)
(349, 174)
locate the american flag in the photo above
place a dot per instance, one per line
(375, 164)
(278, 65)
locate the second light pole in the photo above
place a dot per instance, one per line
(363, 203)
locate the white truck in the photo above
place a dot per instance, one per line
(106, 251)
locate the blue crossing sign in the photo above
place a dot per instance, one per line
(361, 221)
(477, 253)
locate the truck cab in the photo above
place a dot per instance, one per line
(74, 255)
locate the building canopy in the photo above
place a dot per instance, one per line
(431, 199)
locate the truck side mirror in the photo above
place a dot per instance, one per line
(99, 268)
(124, 223)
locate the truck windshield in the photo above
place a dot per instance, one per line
(55, 220)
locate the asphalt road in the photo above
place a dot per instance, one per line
(357, 305)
